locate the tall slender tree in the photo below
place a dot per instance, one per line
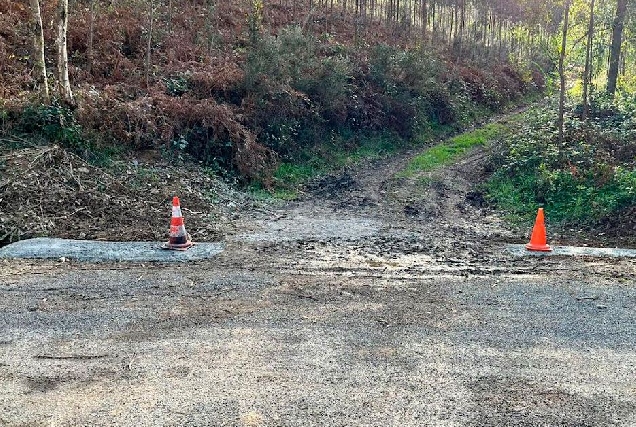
(151, 19)
(587, 73)
(38, 50)
(64, 84)
(564, 39)
(90, 54)
(617, 42)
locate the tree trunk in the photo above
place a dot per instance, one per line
(424, 14)
(462, 26)
(210, 6)
(38, 50)
(91, 37)
(64, 84)
(615, 52)
(433, 9)
(587, 73)
(151, 18)
(562, 70)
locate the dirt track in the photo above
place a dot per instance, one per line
(372, 301)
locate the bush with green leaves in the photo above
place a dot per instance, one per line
(55, 122)
(581, 179)
(290, 91)
(414, 93)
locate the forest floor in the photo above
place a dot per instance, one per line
(370, 300)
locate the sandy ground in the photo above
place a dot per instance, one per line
(371, 301)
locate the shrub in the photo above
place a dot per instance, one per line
(293, 96)
(582, 179)
(414, 92)
(210, 132)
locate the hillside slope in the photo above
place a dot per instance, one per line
(242, 87)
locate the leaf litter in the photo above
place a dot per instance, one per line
(48, 191)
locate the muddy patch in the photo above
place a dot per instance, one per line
(308, 227)
(333, 185)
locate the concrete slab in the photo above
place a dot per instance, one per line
(520, 250)
(100, 251)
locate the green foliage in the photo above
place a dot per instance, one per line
(329, 115)
(56, 123)
(290, 175)
(177, 85)
(449, 151)
(4, 115)
(301, 90)
(335, 153)
(278, 193)
(299, 94)
(413, 94)
(376, 146)
(582, 179)
(287, 181)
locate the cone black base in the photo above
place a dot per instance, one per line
(177, 247)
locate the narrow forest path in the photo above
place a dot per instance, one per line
(436, 216)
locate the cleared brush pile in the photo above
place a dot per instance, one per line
(49, 191)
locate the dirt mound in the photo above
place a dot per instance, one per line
(47, 191)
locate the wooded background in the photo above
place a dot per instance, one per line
(231, 82)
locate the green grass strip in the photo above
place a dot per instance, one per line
(449, 151)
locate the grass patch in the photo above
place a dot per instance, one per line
(339, 151)
(260, 193)
(290, 174)
(568, 199)
(374, 148)
(448, 152)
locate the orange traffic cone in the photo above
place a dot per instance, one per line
(179, 238)
(538, 240)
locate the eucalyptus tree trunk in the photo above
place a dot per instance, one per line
(210, 5)
(462, 26)
(434, 12)
(64, 84)
(615, 52)
(424, 13)
(564, 39)
(587, 73)
(38, 50)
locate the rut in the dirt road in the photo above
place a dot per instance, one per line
(440, 213)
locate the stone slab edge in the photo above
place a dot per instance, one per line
(101, 251)
(520, 250)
